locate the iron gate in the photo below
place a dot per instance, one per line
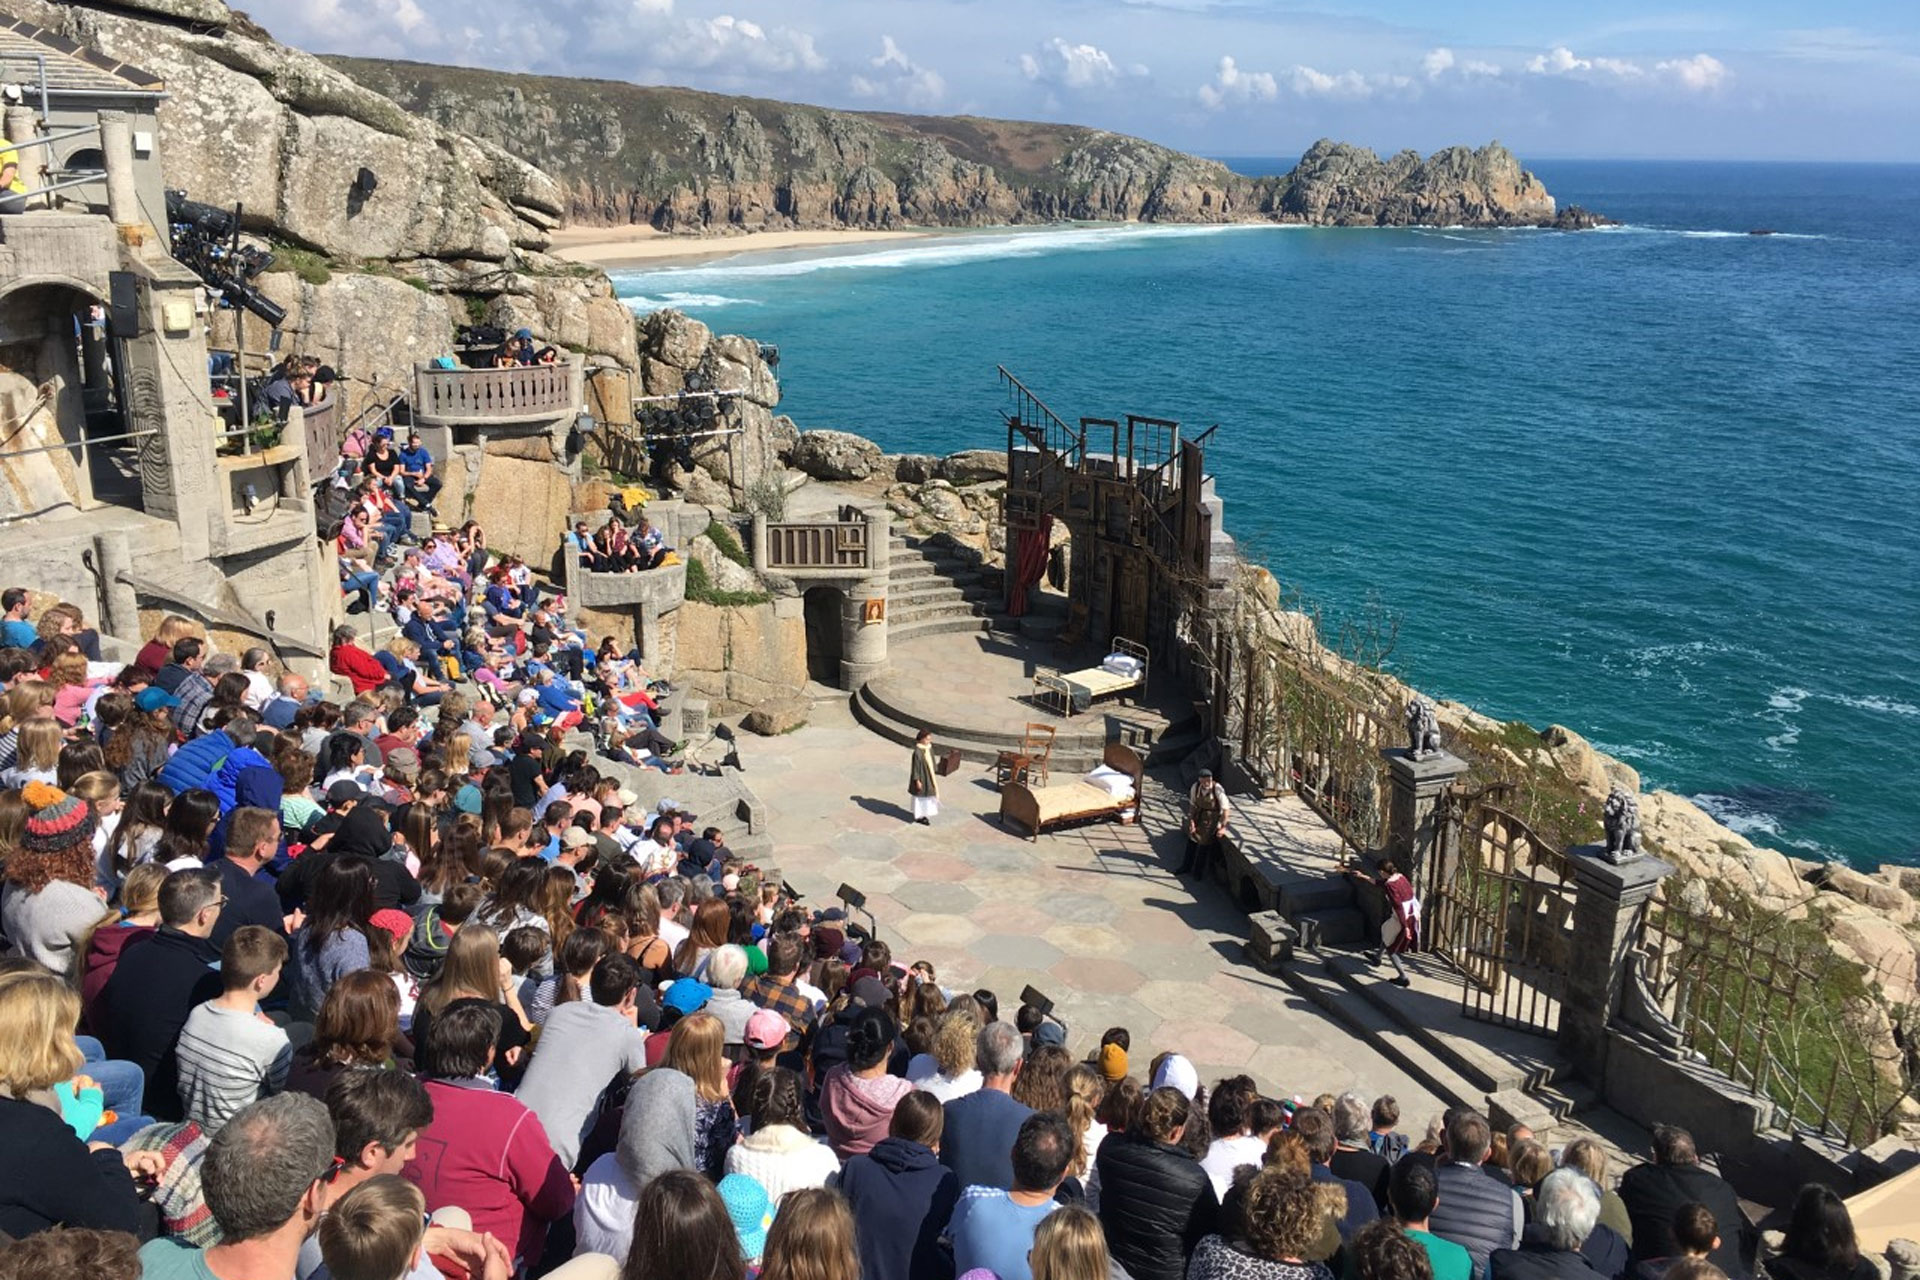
(1506, 916)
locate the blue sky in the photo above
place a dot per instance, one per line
(1762, 79)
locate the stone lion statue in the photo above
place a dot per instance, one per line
(1423, 730)
(1621, 817)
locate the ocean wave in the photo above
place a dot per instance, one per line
(1875, 703)
(641, 303)
(938, 251)
(1736, 815)
(1685, 233)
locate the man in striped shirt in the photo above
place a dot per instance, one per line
(230, 1054)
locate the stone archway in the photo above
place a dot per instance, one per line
(55, 388)
(824, 610)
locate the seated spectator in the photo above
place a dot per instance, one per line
(1281, 1236)
(1653, 1193)
(252, 844)
(48, 906)
(1382, 1138)
(264, 1179)
(346, 658)
(339, 936)
(48, 1176)
(15, 630)
(384, 465)
(181, 677)
(139, 915)
(37, 754)
(160, 980)
(1382, 1251)
(811, 1238)
(1354, 1159)
(581, 540)
(196, 764)
(656, 1143)
(1412, 1190)
(683, 1228)
(1693, 1231)
(778, 989)
(1156, 1202)
(980, 1126)
(1820, 1243)
(585, 1046)
(650, 550)
(1565, 1214)
(993, 1229)
(71, 1251)
(229, 1054)
(857, 1097)
(419, 485)
(358, 1026)
(290, 388)
(290, 694)
(377, 1231)
(902, 1197)
(1476, 1212)
(484, 1151)
(473, 974)
(1229, 1118)
(778, 1152)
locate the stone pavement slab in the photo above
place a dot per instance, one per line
(1091, 916)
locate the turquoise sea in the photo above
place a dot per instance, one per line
(1659, 483)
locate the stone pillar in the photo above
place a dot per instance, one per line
(863, 644)
(22, 125)
(119, 607)
(757, 543)
(116, 148)
(1606, 915)
(1413, 837)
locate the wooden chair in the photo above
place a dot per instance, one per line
(1028, 765)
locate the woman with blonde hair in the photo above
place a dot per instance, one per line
(955, 1052)
(37, 754)
(694, 1050)
(158, 652)
(1069, 1245)
(811, 1238)
(645, 946)
(49, 1175)
(1083, 1090)
(475, 971)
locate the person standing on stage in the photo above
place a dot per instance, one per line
(921, 784)
(1207, 814)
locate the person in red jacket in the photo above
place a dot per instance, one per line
(485, 1152)
(348, 659)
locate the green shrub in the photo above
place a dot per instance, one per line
(700, 590)
(310, 267)
(724, 538)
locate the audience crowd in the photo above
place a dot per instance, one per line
(406, 988)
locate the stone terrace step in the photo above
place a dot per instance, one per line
(900, 633)
(1068, 759)
(1311, 977)
(1492, 1057)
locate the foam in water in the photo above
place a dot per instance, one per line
(640, 302)
(1737, 815)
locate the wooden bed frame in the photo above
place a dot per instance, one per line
(1057, 688)
(1039, 808)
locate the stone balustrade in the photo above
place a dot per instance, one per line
(488, 397)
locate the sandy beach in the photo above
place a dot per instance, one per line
(631, 246)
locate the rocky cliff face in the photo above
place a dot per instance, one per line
(249, 120)
(681, 160)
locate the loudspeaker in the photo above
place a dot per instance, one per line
(123, 304)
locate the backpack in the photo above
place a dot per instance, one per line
(1388, 1146)
(426, 945)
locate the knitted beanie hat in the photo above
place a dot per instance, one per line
(56, 821)
(1113, 1062)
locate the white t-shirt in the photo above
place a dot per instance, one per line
(672, 932)
(1228, 1154)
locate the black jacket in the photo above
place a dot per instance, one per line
(159, 980)
(1366, 1168)
(902, 1198)
(49, 1178)
(1536, 1259)
(250, 900)
(1155, 1204)
(393, 885)
(1653, 1193)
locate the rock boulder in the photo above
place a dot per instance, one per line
(1680, 831)
(776, 716)
(972, 466)
(835, 455)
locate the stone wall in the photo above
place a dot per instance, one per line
(740, 656)
(522, 503)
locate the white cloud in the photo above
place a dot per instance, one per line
(1437, 63)
(1443, 63)
(1702, 73)
(898, 78)
(1475, 67)
(1073, 66)
(1309, 83)
(737, 44)
(652, 8)
(1559, 62)
(1232, 85)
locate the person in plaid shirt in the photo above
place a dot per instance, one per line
(776, 989)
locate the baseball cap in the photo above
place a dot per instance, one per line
(523, 333)
(154, 698)
(403, 761)
(1050, 1033)
(766, 1029)
(1177, 1073)
(688, 995)
(626, 798)
(576, 838)
(344, 790)
(871, 992)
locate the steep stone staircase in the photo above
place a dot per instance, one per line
(932, 588)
